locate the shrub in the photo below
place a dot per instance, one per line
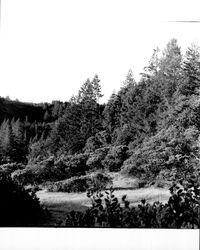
(115, 157)
(9, 168)
(52, 169)
(95, 160)
(99, 181)
(38, 151)
(74, 165)
(24, 176)
(39, 173)
(95, 181)
(18, 206)
(99, 140)
(74, 184)
(166, 177)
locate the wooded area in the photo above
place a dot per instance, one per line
(147, 130)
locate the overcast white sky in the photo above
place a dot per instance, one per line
(50, 47)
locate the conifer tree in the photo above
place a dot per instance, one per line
(6, 140)
(19, 147)
(191, 69)
(81, 120)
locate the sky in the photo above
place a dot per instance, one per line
(48, 48)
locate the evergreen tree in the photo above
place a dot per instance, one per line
(6, 141)
(90, 91)
(81, 120)
(170, 73)
(191, 67)
(19, 150)
(111, 113)
(129, 79)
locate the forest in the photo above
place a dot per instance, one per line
(148, 132)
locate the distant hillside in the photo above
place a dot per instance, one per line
(34, 112)
(17, 109)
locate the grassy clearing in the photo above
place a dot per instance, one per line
(60, 203)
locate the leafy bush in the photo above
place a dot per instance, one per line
(10, 168)
(181, 211)
(95, 160)
(95, 181)
(39, 173)
(18, 206)
(115, 157)
(38, 151)
(52, 169)
(99, 140)
(99, 181)
(74, 184)
(74, 165)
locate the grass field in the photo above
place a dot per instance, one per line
(59, 203)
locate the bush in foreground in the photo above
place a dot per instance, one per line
(18, 206)
(181, 211)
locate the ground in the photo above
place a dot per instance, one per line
(59, 203)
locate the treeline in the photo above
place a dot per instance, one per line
(10, 109)
(149, 129)
(23, 124)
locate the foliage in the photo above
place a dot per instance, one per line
(168, 149)
(115, 157)
(39, 173)
(9, 168)
(13, 145)
(111, 113)
(38, 151)
(74, 184)
(95, 181)
(99, 140)
(99, 181)
(81, 120)
(52, 169)
(95, 160)
(18, 206)
(74, 165)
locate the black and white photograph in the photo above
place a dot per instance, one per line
(100, 117)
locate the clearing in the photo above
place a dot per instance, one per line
(59, 203)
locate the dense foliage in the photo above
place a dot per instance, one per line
(95, 181)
